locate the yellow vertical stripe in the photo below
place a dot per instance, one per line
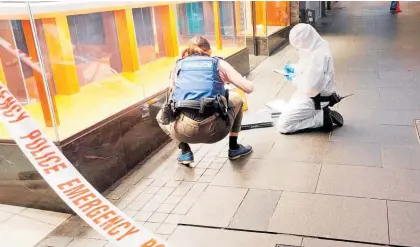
(57, 37)
(173, 32)
(2, 77)
(127, 40)
(217, 30)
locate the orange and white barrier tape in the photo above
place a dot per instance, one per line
(67, 182)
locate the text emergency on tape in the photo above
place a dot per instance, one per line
(67, 182)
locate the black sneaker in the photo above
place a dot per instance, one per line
(242, 151)
(337, 118)
(328, 121)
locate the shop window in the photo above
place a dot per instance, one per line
(247, 12)
(271, 17)
(11, 66)
(260, 18)
(87, 29)
(278, 16)
(196, 19)
(21, 45)
(95, 43)
(227, 19)
(233, 23)
(45, 54)
(150, 42)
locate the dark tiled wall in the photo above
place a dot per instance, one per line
(278, 40)
(102, 156)
(240, 61)
(267, 46)
(250, 45)
(141, 133)
(21, 184)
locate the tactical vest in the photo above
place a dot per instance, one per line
(197, 79)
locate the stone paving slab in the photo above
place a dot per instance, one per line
(205, 237)
(55, 241)
(365, 99)
(401, 99)
(84, 242)
(398, 135)
(337, 217)
(366, 116)
(312, 242)
(30, 231)
(370, 182)
(360, 133)
(407, 157)
(385, 134)
(190, 198)
(404, 223)
(309, 150)
(216, 207)
(270, 174)
(359, 154)
(262, 141)
(400, 117)
(256, 210)
(20, 226)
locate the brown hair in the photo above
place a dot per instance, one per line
(198, 45)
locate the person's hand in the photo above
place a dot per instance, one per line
(289, 69)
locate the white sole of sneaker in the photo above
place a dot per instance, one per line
(185, 162)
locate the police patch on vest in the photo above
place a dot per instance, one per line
(197, 65)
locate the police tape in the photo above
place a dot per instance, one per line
(67, 182)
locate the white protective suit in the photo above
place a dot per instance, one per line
(314, 74)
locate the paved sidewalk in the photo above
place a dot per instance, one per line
(359, 184)
(25, 227)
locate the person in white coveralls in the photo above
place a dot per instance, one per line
(313, 76)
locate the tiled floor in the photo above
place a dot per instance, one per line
(25, 227)
(356, 187)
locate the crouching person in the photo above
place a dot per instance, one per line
(313, 76)
(200, 109)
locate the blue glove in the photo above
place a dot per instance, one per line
(289, 69)
(290, 76)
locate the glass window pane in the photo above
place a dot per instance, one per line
(232, 23)
(82, 53)
(227, 22)
(278, 16)
(20, 70)
(12, 66)
(95, 46)
(196, 19)
(260, 18)
(144, 26)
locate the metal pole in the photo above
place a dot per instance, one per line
(254, 28)
(323, 13)
(235, 30)
(42, 67)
